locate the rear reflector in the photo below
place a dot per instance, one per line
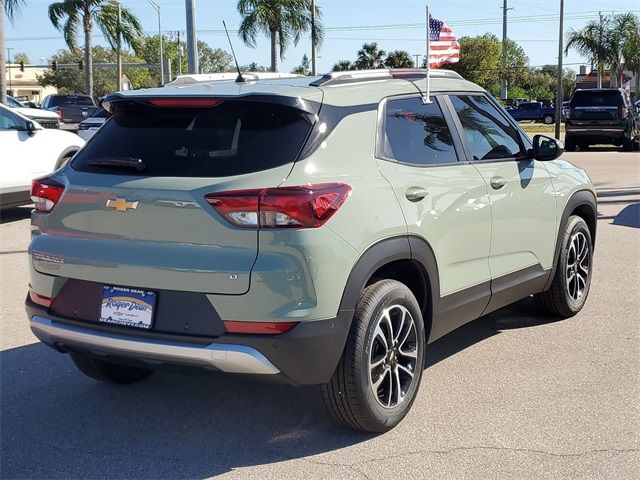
(185, 102)
(45, 193)
(304, 206)
(40, 299)
(260, 328)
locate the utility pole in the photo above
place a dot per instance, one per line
(9, 68)
(313, 37)
(179, 55)
(504, 90)
(599, 66)
(156, 7)
(119, 47)
(559, 93)
(192, 42)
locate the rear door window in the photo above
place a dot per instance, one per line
(416, 134)
(232, 138)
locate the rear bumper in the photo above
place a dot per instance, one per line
(226, 358)
(597, 133)
(307, 354)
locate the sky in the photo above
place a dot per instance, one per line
(394, 24)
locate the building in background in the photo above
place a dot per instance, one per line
(24, 86)
(589, 79)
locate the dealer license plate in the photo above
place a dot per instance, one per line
(128, 307)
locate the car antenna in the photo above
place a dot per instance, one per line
(239, 78)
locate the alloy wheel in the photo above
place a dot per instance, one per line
(393, 355)
(578, 265)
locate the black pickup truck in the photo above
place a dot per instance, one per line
(602, 116)
(70, 108)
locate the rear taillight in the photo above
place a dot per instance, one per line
(304, 206)
(40, 299)
(624, 112)
(60, 113)
(179, 102)
(45, 193)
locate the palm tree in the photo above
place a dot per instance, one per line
(282, 20)
(343, 65)
(11, 8)
(398, 59)
(592, 42)
(370, 57)
(69, 15)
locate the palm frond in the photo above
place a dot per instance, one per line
(65, 17)
(12, 8)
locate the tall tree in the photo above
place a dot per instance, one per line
(343, 65)
(631, 51)
(369, 56)
(284, 21)
(398, 59)
(11, 8)
(591, 41)
(68, 16)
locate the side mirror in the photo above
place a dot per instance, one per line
(30, 127)
(546, 148)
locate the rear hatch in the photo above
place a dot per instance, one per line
(596, 107)
(133, 212)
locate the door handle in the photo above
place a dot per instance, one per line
(498, 182)
(415, 194)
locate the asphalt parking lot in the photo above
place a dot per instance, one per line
(513, 395)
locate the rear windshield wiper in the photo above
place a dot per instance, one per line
(119, 162)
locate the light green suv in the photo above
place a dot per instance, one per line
(324, 230)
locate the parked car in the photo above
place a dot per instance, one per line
(535, 111)
(602, 116)
(44, 118)
(89, 126)
(29, 151)
(322, 230)
(70, 108)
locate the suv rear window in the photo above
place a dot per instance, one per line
(232, 138)
(597, 98)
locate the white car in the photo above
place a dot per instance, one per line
(29, 151)
(90, 125)
(45, 118)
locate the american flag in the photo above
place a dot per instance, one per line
(443, 45)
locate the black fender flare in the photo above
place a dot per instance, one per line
(383, 252)
(580, 198)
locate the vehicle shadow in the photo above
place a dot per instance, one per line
(16, 213)
(179, 423)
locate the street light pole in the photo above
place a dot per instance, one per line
(559, 93)
(504, 90)
(192, 42)
(157, 9)
(313, 37)
(119, 47)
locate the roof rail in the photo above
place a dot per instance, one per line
(189, 79)
(354, 76)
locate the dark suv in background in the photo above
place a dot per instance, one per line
(600, 116)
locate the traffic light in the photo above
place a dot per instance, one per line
(54, 66)
(80, 65)
(22, 66)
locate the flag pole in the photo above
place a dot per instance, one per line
(426, 98)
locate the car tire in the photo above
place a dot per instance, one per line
(572, 279)
(386, 313)
(628, 145)
(548, 120)
(570, 145)
(109, 372)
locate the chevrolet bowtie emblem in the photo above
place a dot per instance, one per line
(121, 204)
